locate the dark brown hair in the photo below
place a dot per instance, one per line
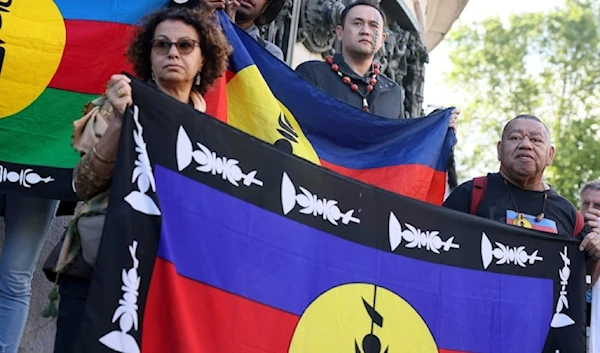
(213, 43)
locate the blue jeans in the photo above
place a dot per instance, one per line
(27, 221)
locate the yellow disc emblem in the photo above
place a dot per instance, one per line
(32, 41)
(361, 318)
(521, 221)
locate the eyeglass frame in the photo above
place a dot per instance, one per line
(174, 43)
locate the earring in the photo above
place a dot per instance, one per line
(198, 79)
(152, 76)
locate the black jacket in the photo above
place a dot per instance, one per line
(386, 100)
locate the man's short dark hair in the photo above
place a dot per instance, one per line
(364, 3)
(528, 117)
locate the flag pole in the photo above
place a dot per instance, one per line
(293, 32)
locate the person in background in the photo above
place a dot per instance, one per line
(247, 14)
(27, 221)
(589, 208)
(352, 75)
(518, 195)
(179, 51)
(589, 199)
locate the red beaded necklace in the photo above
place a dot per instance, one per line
(354, 87)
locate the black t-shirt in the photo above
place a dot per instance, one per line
(497, 204)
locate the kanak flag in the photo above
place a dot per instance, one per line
(216, 241)
(267, 99)
(55, 56)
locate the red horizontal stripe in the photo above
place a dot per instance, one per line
(544, 228)
(412, 180)
(229, 75)
(183, 315)
(93, 52)
(216, 99)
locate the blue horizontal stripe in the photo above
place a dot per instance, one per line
(119, 11)
(222, 241)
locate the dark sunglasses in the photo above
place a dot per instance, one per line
(184, 45)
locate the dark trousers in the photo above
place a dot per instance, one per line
(73, 295)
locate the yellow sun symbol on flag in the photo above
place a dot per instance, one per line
(361, 317)
(32, 41)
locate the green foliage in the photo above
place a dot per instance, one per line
(545, 64)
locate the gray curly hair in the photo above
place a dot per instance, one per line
(590, 185)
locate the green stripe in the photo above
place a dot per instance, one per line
(41, 133)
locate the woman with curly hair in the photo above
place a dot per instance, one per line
(179, 51)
